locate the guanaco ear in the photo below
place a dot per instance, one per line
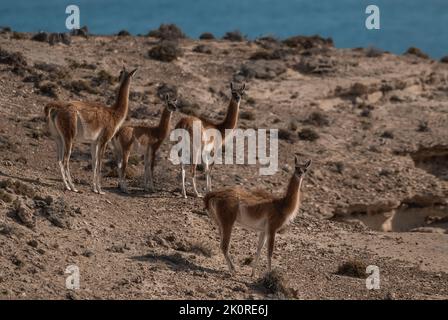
(296, 159)
(243, 88)
(132, 73)
(231, 85)
(308, 164)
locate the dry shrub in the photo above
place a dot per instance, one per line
(167, 32)
(187, 107)
(247, 115)
(73, 64)
(8, 229)
(82, 32)
(164, 88)
(58, 212)
(165, 51)
(423, 126)
(387, 134)
(207, 36)
(308, 42)
(373, 52)
(41, 37)
(18, 187)
(416, 52)
(19, 36)
(444, 59)
(6, 197)
(201, 247)
(308, 134)
(284, 134)
(352, 268)
(78, 86)
(123, 33)
(274, 283)
(317, 119)
(275, 54)
(358, 89)
(236, 36)
(103, 77)
(49, 89)
(12, 58)
(250, 100)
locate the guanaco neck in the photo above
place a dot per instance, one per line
(122, 103)
(164, 124)
(291, 201)
(231, 118)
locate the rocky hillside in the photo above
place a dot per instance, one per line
(374, 124)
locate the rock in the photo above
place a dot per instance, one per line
(59, 213)
(87, 253)
(24, 213)
(33, 243)
(428, 230)
(262, 69)
(316, 65)
(202, 48)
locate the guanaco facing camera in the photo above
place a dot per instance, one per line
(257, 210)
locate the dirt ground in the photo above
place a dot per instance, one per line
(375, 125)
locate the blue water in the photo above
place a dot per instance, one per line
(404, 23)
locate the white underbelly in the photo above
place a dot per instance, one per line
(85, 133)
(247, 221)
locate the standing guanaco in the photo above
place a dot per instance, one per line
(87, 122)
(256, 210)
(229, 122)
(146, 140)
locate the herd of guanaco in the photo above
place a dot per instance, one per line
(100, 125)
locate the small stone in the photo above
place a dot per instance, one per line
(33, 243)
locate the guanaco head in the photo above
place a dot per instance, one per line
(237, 93)
(301, 168)
(171, 103)
(125, 74)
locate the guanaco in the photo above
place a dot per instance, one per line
(87, 122)
(258, 210)
(145, 139)
(229, 122)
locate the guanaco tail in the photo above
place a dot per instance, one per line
(256, 210)
(229, 122)
(146, 140)
(87, 122)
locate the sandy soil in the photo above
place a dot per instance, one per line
(377, 192)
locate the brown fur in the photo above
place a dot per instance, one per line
(148, 139)
(256, 209)
(229, 122)
(90, 122)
